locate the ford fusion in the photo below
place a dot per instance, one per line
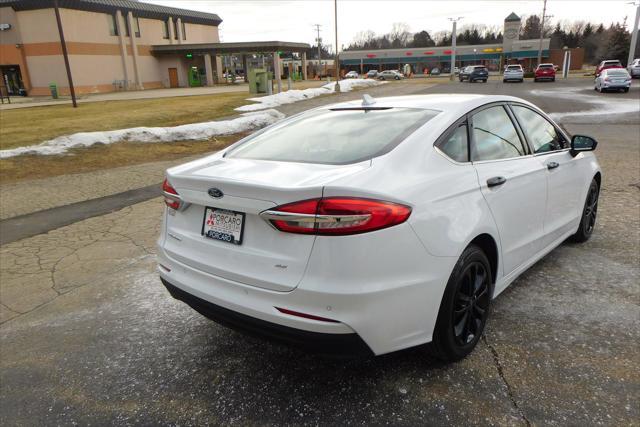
(371, 226)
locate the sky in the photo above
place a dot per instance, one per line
(293, 21)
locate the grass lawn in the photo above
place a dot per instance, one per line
(28, 126)
(100, 157)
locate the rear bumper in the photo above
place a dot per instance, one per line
(336, 345)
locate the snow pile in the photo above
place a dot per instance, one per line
(605, 107)
(295, 95)
(190, 132)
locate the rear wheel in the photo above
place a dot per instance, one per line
(464, 308)
(553, 79)
(625, 90)
(588, 220)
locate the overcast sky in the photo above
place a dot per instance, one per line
(262, 20)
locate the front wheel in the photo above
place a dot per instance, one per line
(464, 308)
(625, 90)
(588, 220)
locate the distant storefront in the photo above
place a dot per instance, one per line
(493, 56)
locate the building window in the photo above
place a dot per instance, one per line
(184, 31)
(165, 30)
(136, 26)
(113, 26)
(175, 29)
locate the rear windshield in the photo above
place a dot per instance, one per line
(480, 68)
(545, 66)
(334, 136)
(611, 62)
(616, 72)
(513, 67)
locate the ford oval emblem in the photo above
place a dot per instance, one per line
(215, 193)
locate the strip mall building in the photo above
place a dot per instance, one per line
(512, 50)
(117, 45)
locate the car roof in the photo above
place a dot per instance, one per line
(450, 103)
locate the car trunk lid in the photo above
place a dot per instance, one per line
(265, 257)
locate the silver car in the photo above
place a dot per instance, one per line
(513, 72)
(613, 78)
(634, 68)
(390, 75)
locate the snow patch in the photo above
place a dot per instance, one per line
(605, 107)
(189, 132)
(295, 95)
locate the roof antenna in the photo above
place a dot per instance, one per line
(367, 100)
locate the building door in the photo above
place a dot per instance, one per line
(173, 77)
(11, 79)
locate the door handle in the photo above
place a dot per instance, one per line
(496, 180)
(552, 165)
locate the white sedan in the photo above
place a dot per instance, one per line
(613, 79)
(369, 227)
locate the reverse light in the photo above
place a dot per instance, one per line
(336, 216)
(171, 196)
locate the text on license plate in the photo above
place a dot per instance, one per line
(224, 225)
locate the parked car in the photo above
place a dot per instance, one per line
(435, 71)
(634, 68)
(390, 75)
(372, 74)
(609, 63)
(544, 72)
(352, 75)
(474, 73)
(309, 241)
(513, 72)
(613, 79)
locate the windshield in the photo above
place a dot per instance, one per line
(513, 67)
(334, 136)
(480, 68)
(545, 66)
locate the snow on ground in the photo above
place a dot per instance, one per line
(294, 95)
(605, 106)
(189, 132)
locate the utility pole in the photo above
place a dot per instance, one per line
(453, 46)
(319, 41)
(544, 11)
(634, 34)
(337, 61)
(65, 55)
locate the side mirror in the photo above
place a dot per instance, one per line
(581, 143)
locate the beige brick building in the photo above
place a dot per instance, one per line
(110, 45)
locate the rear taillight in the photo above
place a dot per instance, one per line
(336, 216)
(171, 196)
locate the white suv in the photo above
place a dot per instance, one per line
(634, 68)
(513, 72)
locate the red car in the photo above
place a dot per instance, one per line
(545, 72)
(609, 63)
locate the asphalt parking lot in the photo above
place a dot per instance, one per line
(108, 345)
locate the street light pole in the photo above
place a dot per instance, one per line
(65, 55)
(337, 62)
(634, 34)
(453, 47)
(544, 12)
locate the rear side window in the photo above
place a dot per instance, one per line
(335, 136)
(494, 136)
(455, 144)
(542, 135)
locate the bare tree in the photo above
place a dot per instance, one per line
(400, 35)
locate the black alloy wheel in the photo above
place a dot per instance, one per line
(464, 309)
(471, 303)
(589, 214)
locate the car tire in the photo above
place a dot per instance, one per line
(461, 79)
(625, 90)
(521, 80)
(397, 78)
(464, 308)
(535, 80)
(589, 213)
(484, 81)
(553, 79)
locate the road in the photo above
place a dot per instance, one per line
(89, 336)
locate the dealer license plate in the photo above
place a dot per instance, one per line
(223, 225)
